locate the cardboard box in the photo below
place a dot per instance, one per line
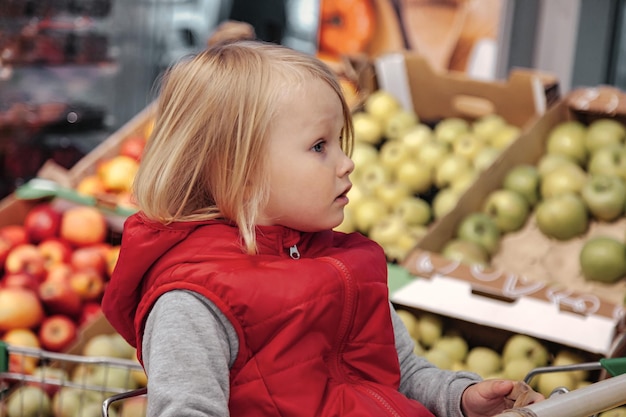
(435, 95)
(538, 277)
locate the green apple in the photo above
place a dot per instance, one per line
(568, 138)
(485, 158)
(413, 211)
(487, 126)
(609, 160)
(517, 368)
(504, 137)
(68, 401)
(381, 104)
(465, 251)
(566, 357)
(386, 230)
(524, 179)
(100, 345)
(368, 212)
(482, 229)
(367, 128)
(415, 175)
(392, 153)
(373, 176)
(483, 360)
(439, 358)
(399, 123)
(415, 137)
(562, 217)
(508, 208)
(468, 145)
(454, 345)
(28, 401)
(444, 202)
(524, 346)
(548, 162)
(432, 153)
(363, 154)
(410, 322)
(392, 193)
(562, 180)
(449, 129)
(605, 197)
(603, 132)
(549, 381)
(464, 181)
(603, 259)
(452, 166)
(430, 329)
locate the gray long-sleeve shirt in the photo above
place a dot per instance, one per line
(185, 329)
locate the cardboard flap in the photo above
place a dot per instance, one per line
(510, 301)
(435, 95)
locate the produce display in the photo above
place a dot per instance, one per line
(512, 357)
(409, 174)
(578, 183)
(74, 388)
(55, 266)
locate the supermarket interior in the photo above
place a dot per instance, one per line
(489, 165)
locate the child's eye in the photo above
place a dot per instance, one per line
(319, 147)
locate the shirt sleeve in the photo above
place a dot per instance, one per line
(188, 348)
(438, 390)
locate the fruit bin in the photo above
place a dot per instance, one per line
(528, 252)
(54, 392)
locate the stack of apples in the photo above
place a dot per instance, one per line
(114, 175)
(78, 389)
(580, 179)
(55, 266)
(514, 358)
(409, 173)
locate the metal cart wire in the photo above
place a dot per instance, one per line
(97, 382)
(603, 395)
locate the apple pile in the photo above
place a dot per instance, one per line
(54, 270)
(113, 177)
(580, 179)
(94, 382)
(408, 174)
(519, 354)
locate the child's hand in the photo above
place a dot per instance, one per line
(493, 396)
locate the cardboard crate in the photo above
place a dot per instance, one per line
(535, 285)
(525, 95)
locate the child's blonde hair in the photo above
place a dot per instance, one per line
(206, 156)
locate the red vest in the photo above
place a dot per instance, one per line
(315, 333)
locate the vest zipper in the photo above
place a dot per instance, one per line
(293, 252)
(345, 325)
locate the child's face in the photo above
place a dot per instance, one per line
(308, 169)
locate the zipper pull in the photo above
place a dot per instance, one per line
(293, 252)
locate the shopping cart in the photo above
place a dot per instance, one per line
(97, 382)
(605, 394)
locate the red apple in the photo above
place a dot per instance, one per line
(22, 337)
(5, 248)
(91, 310)
(88, 283)
(59, 297)
(19, 308)
(83, 226)
(89, 257)
(133, 146)
(59, 272)
(20, 280)
(14, 233)
(42, 222)
(25, 258)
(55, 251)
(57, 332)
